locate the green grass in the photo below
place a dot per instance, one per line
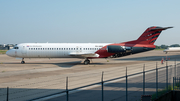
(161, 92)
(3, 51)
(159, 49)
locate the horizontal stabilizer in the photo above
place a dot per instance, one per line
(160, 28)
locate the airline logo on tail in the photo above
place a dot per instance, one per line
(150, 35)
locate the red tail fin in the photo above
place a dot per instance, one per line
(149, 36)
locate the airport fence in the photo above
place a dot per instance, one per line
(176, 83)
(17, 93)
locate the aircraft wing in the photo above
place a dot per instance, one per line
(84, 55)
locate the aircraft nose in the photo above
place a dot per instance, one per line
(165, 50)
(9, 53)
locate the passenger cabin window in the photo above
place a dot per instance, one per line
(16, 47)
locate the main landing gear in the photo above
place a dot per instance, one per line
(22, 62)
(86, 61)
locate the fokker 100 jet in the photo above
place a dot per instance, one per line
(87, 50)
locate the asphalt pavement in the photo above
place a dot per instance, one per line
(116, 91)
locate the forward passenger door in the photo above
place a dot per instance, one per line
(24, 51)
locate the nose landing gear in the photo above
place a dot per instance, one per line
(22, 62)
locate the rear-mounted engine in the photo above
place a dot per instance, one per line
(115, 49)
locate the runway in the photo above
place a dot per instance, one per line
(40, 77)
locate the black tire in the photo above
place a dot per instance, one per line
(86, 62)
(22, 62)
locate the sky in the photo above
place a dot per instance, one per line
(87, 21)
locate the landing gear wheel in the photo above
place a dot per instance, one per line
(22, 62)
(86, 62)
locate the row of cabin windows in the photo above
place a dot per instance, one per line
(16, 48)
(65, 48)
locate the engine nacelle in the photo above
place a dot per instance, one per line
(115, 49)
(128, 49)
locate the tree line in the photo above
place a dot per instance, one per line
(166, 46)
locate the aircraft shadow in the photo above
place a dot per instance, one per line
(74, 63)
(64, 64)
(150, 58)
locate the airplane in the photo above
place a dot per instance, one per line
(87, 50)
(172, 49)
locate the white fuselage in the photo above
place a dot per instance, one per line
(172, 49)
(55, 50)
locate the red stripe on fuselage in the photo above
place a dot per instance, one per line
(138, 45)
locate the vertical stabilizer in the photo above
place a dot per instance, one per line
(149, 36)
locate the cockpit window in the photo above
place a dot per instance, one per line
(16, 47)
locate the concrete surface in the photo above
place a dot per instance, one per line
(116, 91)
(40, 77)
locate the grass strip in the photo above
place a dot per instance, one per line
(3, 51)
